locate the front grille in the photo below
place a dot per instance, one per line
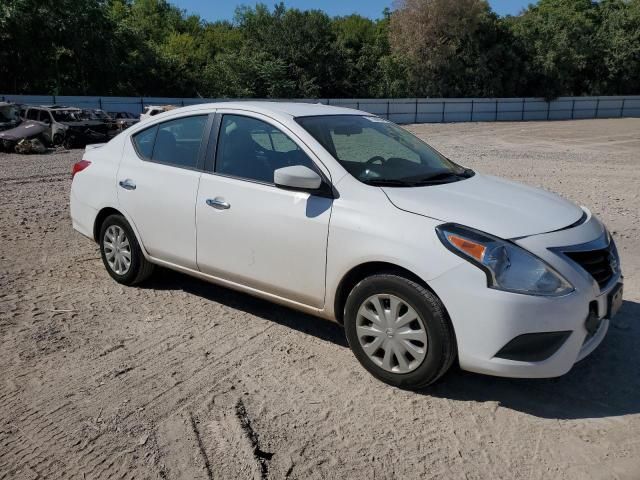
(600, 264)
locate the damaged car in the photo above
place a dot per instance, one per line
(55, 119)
(54, 126)
(70, 126)
(30, 136)
(153, 110)
(124, 119)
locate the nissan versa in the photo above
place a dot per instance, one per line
(345, 215)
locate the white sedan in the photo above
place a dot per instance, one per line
(344, 215)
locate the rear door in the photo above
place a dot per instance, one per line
(158, 182)
(250, 231)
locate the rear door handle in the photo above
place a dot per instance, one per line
(127, 184)
(218, 203)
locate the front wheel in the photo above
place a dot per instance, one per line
(121, 253)
(399, 331)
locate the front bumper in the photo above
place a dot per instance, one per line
(485, 320)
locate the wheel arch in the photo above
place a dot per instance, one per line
(100, 218)
(364, 270)
(104, 213)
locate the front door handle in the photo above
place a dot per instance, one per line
(127, 184)
(218, 203)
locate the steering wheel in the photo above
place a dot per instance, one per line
(375, 159)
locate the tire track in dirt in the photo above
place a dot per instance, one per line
(35, 417)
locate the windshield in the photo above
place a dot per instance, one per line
(378, 152)
(65, 115)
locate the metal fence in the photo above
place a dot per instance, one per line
(399, 110)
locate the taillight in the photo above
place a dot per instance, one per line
(79, 166)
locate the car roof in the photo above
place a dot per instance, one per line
(55, 108)
(293, 109)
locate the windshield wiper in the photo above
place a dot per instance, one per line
(441, 177)
(416, 181)
(388, 182)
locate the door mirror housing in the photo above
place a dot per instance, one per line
(297, 177)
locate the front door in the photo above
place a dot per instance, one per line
(250, 231)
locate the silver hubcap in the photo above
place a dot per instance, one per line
(117, 249)
(391, 333)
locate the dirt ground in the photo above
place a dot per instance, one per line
(183, 379)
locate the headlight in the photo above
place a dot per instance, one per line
(508, 266)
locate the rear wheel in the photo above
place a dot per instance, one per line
(399, 331)
(121, 253)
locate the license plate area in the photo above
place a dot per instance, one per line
(614, 301)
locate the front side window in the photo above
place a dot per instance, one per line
(253, 149)
(176, 142)
(378, 152)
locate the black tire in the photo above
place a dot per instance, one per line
(441, 343)
(140, 268)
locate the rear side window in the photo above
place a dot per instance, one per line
(176, 142)
(32, 114)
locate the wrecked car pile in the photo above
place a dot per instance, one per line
(33, 129)
(53, 126)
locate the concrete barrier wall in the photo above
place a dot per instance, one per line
(399, 110)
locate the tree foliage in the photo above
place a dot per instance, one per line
(421, 48)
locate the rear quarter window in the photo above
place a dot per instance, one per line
(144, 141)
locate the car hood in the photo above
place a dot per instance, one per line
(490, 204)
(26, 129)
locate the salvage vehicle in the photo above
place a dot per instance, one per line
(9, 116)
(97, 114)
(27, 137)
(345, 215)
(124, 119)
(70, 126)
(107, 124)
(151, 110)
(56, 118)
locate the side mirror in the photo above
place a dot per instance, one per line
(297, 177)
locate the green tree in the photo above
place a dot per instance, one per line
(560, 39)
(301, 41)
(360, 44)
(422, 48)
(454, 48)
(47, 49)
(618, 36)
